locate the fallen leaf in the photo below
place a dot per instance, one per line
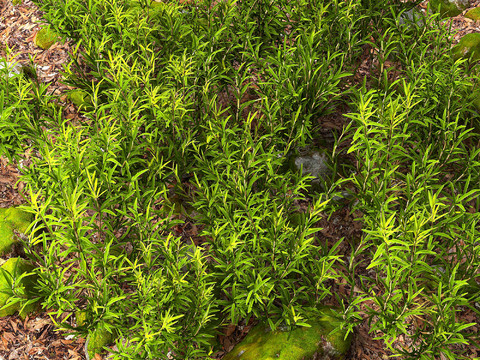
(230, 329)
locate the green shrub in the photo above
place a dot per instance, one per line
(192, 105)
(23, 104)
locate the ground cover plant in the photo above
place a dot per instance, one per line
(191, 112)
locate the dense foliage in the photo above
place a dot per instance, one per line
(197, 107)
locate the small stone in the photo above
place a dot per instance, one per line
(313, 162)
(45, 38)
(9, 69)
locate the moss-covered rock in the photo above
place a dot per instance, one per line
(81, 318)
(323, 340)
(469, 45)
(11, 270)
(12, 219)
(81, 98)
(99, 338)
(45, 38)
(449, 8)
(473, 14)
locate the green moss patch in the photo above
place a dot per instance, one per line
(469, 45)
(473, 14)
(10, 272)
(99, 338)
(45, 38)
(12, 219)
(80, 98)
(447, 8)
(323, 339)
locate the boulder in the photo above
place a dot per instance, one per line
(323, 340)
(10, 271)
(449, 8)
(45, 37)
(469, 45)
(11, 220)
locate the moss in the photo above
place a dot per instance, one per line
(331, 323)
(12, 219)
(302, 343)
(447, 8)
(81, 98)
(45, 38)
(81, 317)
(99, 338)
(16, 267)
(16, 2)
(473, 14)
(469, 45)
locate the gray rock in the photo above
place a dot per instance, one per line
(313, 162)
(412, 16)
(10, 69)
(461, 4)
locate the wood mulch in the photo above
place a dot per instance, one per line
(34, 337)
